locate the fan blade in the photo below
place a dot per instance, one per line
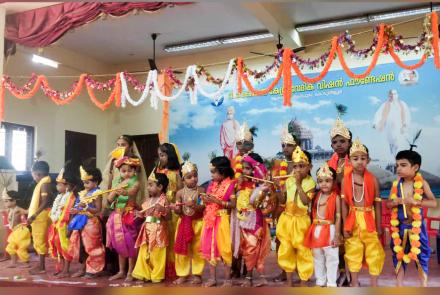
(299, 49)
(262, 54)
(177, 72)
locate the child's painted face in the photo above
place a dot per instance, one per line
(288, 149)
(9, 203)
(127, 171)
(89, 185)
(247, 169)
(163, 158)
(359, 161)
(340, 145)
(404, 168)
(154, 189)
(122, 143)
(215, 175)
(191, 179)
(325, 184)
(301, 168)
(61, 187)
(37, 175)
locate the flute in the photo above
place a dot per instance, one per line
(259, 179)
(403, 198)
(86, 200)
(284, 176)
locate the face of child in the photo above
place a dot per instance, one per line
(288, 149)
(325, 184)
(244, 146)
(359, 161)
(122, 143)
(127, 171)
(247, 169)
(340, 145)
(191, 179)
(61, 187)
(163, 158)
(9, 203)
(153, 188)
(302, 169)
(215, 175)
(404, 168)
(37, 175)
(89, 184)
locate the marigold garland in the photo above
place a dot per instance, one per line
(404, 66)
(283, 171)
(238, 167)
(435, 39)
(414, 237)
(68, 99)
(115, 92)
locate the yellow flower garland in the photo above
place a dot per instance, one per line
(416, 224)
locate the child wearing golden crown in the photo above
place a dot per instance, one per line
(60, 215)
(122, 227)
(255, 200)
(19, 239)
(361, 212)
(85, 226)
(295, 220)
(216, 232)
(189, 227)
(410, 194)
(340, 137)
(38, 213)
(152, 240)
(323, 236)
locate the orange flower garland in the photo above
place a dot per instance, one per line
(435, 39)
(287, 77)
(32, 92)
(380, 42)
(116, 92)
(238, 167)
(414, 237)
(324, 70)
(68, 99)
(283, 171)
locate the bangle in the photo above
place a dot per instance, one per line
(342, 196)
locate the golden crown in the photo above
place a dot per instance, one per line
(117, 152)
(152, 177)
(340, 129)
(5, 194)
(60, 177)
(244, 133)
(84, 175)
(188, 167)
(358, 147)
(287, 137)
(324, 171)
(299, 156)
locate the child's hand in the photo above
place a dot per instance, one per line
(174, 206)
(346, 234)
(30, 220)
(336, 241)
(297, 178)
(159, 208)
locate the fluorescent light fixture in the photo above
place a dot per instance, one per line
(189, 46)
(245, 38)
(332, 24)
(398, 14)
(44, 61)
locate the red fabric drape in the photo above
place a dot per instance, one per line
(44, 26)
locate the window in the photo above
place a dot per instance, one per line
(17, 145)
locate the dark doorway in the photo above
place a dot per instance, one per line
(80, 148)
(147, 145)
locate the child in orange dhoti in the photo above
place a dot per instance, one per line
(361, 212)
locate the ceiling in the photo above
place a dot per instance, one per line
(127, 39)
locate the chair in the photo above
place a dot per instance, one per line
(385, 222)
(432, 232)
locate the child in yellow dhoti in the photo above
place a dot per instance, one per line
(189, 227)
(153, 237)
(361, 213)
(20, 237)
(295, 220)
(38, 213)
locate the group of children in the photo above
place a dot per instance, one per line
(170, 226)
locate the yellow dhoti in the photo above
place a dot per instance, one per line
(150, 266)
(194, 259)
(364, 244)
(292, 254)
(40, 228)
(19, 241)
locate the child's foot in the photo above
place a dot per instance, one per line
(247, 283)
(37, 271)
(227, 284)
(79, 274)
(179, 281)
(89, 275)
(196, 280)
(280, 278)
(62, 275)
(261, 282)
(118, 276)
(129, 278)
(210, 283)
(302, 283)
(25, 265)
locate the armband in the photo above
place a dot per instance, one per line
(377, 199)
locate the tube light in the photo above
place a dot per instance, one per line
(189, 46)
(398, 14)
(45, 61)
(245, 38)
(332, 24)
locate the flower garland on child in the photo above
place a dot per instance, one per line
(283, 171)
(416, 224)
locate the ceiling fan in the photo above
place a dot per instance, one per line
(279, 47)
(152, 61)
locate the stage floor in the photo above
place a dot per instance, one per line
(20, 278)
